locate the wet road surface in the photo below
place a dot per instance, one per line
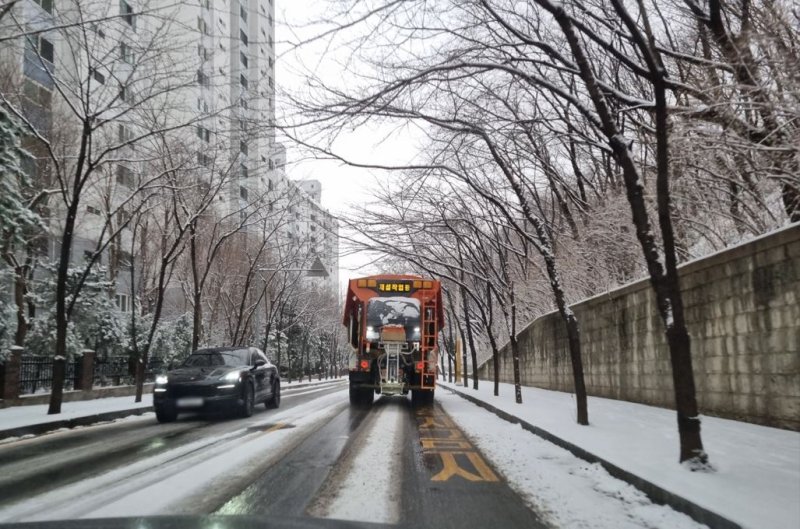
(438, 478)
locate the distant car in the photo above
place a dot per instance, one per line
(230, 379)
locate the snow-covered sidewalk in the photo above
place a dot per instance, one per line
(757, 477)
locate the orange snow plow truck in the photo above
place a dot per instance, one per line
(393, 322)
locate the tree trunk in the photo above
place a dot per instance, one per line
(473, 354)
(515, 348)
(665, 285)
(20, 292)
(59, 360)
(492, 341)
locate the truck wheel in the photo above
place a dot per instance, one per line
(367, 395)
(421, 398)
(360, 396)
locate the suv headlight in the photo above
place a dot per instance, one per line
(233, 376)
(161, 380)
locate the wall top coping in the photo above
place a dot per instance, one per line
(775, 238)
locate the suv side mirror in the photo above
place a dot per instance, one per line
(260, 362)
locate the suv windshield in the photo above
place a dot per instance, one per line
(218, 358)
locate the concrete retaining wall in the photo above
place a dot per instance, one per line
(743, 313)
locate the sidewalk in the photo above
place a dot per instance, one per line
(757, 477)
(19, 421)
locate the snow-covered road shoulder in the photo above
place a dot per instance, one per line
(757, 478)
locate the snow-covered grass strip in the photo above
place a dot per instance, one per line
(565, 490)
(757, 479)
(19, 416)
(366, 483)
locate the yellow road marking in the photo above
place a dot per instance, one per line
(275, 427)
(444, 444)
(451, 468)
(440, 437)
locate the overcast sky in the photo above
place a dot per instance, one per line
(343, 187)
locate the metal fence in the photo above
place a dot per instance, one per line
(36, 374)
(121, 370)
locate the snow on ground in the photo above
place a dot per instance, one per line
(18, 416)
(375, 471)
(757, 479)
(565, 490)
(314, 382)
(170, 482)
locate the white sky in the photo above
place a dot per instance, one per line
(343, 187)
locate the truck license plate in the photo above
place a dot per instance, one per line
(190, 402)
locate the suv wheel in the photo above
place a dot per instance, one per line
(275, 400)
(166, 414)
(248, 400)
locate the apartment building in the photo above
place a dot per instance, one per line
(185, 88)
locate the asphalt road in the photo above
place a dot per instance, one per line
(442, 480)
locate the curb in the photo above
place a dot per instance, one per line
(36, 429)
(313, 383)
(656, 493)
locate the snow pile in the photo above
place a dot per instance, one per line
(376, 470)
(757, 481)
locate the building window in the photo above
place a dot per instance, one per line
(123, 218)
(204, 134)
(202, 78)
(47, 5)
(125, 134)
(92, 210)
(126, 11)
(203, 159)
(243, 192)
(125, 94)
(242, 170)
(271, 164)
(271, 82)
(97, 76)
(126, 54)
(202, 27)
(243, 12)
(124, 176)
(123, 302)
(243, 37)
(243, 81)
(243, 58)
(46, 50)
(243, 147)
(96, 29)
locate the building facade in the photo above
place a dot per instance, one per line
(167, 96)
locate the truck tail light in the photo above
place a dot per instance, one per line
(364, 365)
(420, 366)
